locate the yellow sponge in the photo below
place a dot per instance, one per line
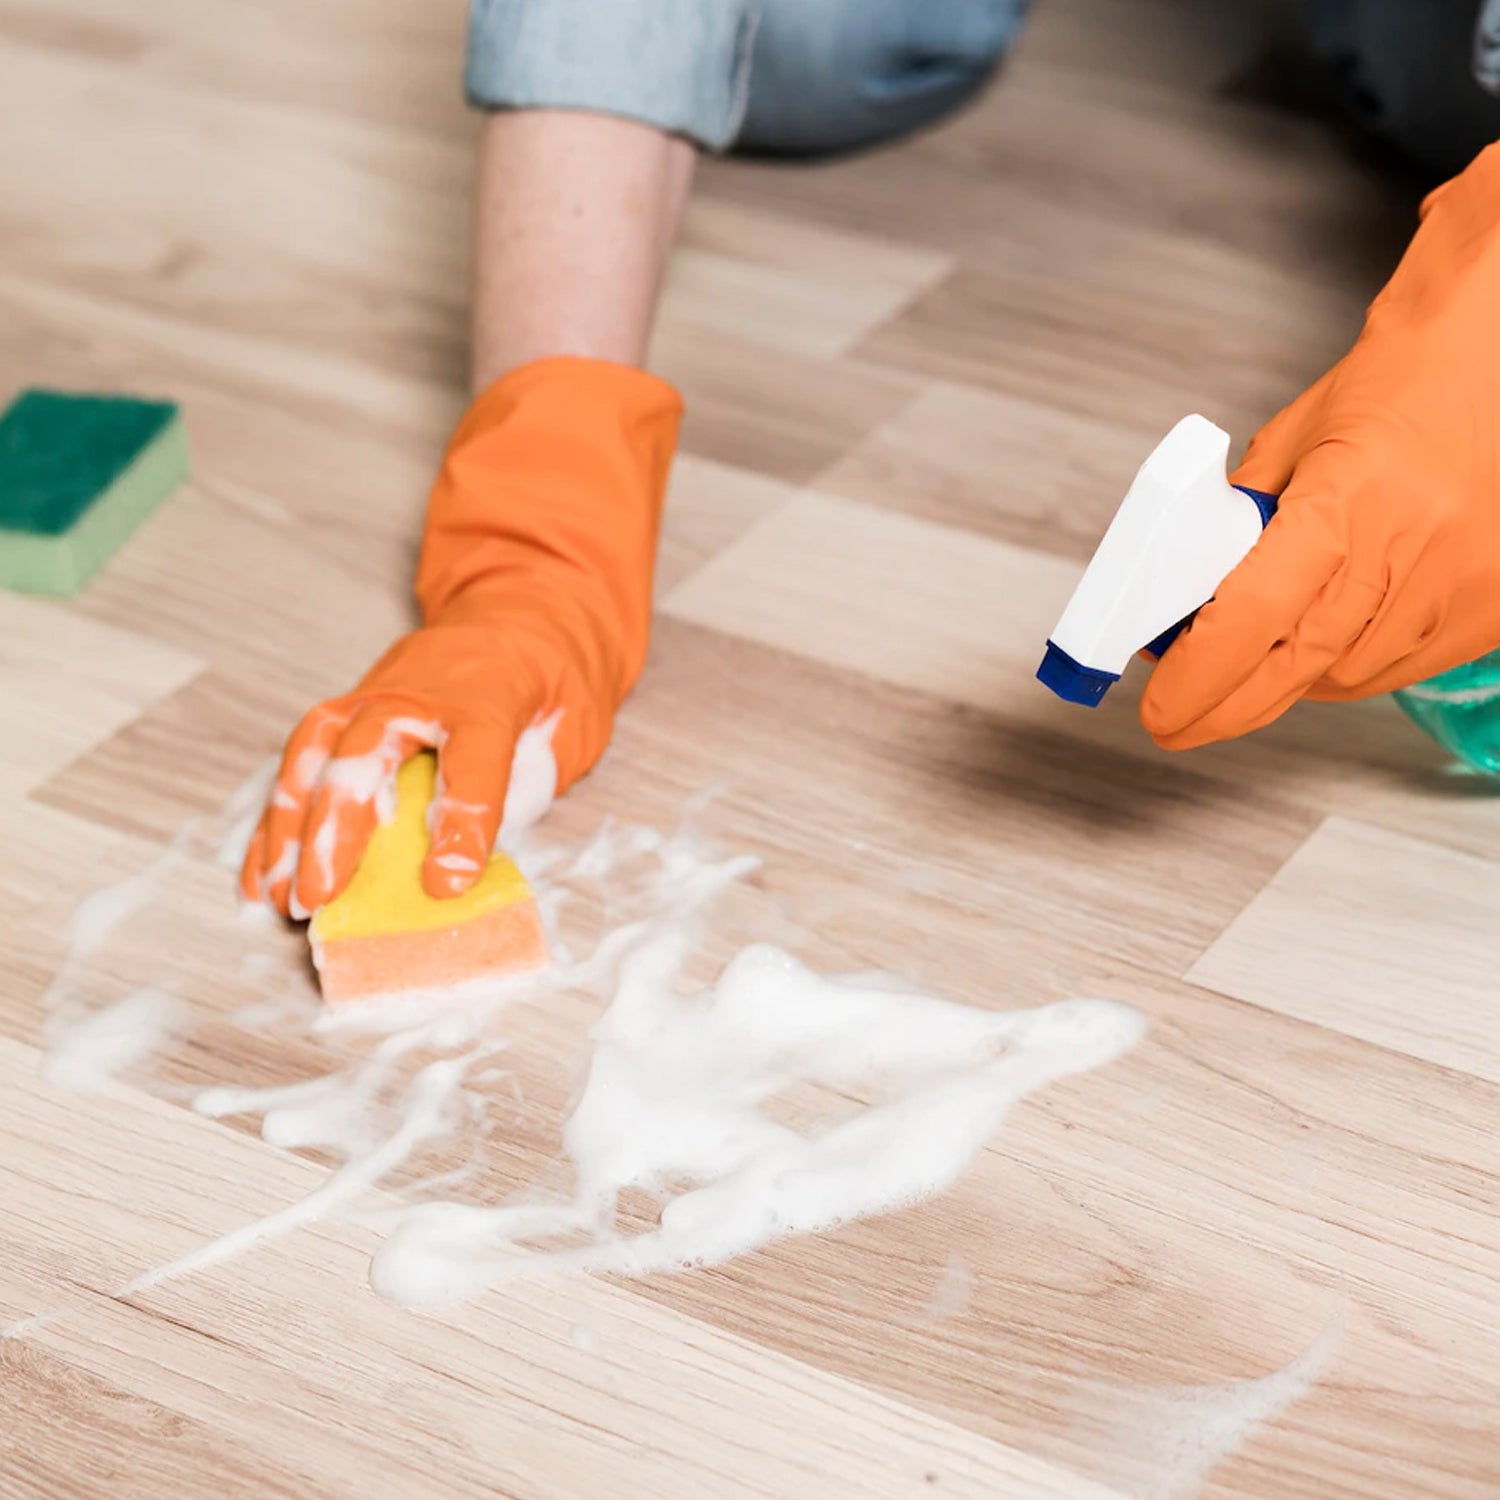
(385, 935)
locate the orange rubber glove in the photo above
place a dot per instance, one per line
(535, 592)
(1382, 564)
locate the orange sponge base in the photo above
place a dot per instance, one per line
(507, 940)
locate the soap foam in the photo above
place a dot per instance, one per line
(428, 1113)
(533, 780)
(950, 1297)
(1162, 1442)
(776, 1102)
(96, 918)
(322, 1112)
(241, 813)
(685, 1095)
(106, 1042)
(677, 1091)
(370, 777)
(89, 1042)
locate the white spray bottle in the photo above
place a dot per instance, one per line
(1177, 535)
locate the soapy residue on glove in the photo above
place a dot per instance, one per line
(371, 777)
(775, 1102)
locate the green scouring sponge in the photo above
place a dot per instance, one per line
(78, 474)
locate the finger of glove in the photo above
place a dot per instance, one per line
(1287, 671)
(1402, 647)
(346, 804)
(251, 867)
(1273, 454)
(475, 764)
(271, 861)
(1259, 605)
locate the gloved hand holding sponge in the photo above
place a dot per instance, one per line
(535, 593)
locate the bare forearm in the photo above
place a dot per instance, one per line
(575, 217)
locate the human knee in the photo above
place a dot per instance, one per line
(828, 75)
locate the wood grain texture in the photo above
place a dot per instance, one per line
(917, 604)
(800, 287)
(499, 1397)
(1404, 955)
(1017, 470)
(113, 675)
(1258, 1256)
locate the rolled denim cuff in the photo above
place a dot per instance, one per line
(680, 65)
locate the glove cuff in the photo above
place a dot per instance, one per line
(599, 385)
(552, 486)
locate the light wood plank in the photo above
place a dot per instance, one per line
(276, 52)
(111, 675)
(909, 602)
(501, 1393)
(709, 506)
(1382, 937)
(86, 1437)
(1079, 346)
(757, 407)
(996, 465)
(370, 203)
(219, 724)
(964, 617)
(796, 286)
(52, 859)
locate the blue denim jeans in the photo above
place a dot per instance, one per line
(808, 76)
(791, 76)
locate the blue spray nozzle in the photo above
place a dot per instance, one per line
(1265, 502)
(1071, 680)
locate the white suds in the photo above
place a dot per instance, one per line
(97, 916)
(326, 1112)
(950, 1297)
(371, 777)
(285, 866)
(357, 778)
(1162, 1443)
(533, 780)
(242, 813)
(778, 1102)
(325, 841)
(256, 967)
(89, 1042)
(307, 768)
(429, 1112)
(104, 1043)
(677, 1092)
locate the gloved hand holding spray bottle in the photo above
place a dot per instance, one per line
(1379, 492)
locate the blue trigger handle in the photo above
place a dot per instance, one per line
(1266, 505)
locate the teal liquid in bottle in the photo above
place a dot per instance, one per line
(1461, 711)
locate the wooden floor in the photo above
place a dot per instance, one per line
(917, 383)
